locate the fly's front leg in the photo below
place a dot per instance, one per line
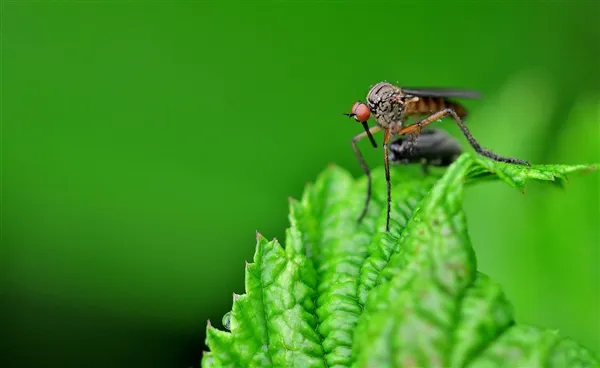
(386, 161)
(417, 127)
(364, 166)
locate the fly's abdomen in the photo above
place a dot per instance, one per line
(430, 105)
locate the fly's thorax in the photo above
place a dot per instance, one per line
(384, 101)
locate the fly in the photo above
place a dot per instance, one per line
(392, 106)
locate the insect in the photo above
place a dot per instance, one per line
(391, 107)
(433, 147)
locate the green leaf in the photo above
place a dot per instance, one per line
(274, 322)
(516, 175)
(350, 295)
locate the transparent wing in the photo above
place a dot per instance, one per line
(441, 92)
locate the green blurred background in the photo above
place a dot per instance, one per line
(144, 142)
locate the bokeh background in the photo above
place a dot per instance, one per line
(144, 143)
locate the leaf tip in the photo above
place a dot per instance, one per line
(208, 324)
(236, 296)
(207, 359)
(259, 236)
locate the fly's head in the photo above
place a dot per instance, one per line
(361, 113)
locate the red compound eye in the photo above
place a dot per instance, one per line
(361, 112)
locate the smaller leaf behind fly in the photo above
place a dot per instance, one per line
(517, 175)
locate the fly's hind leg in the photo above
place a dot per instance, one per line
(417, 127)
